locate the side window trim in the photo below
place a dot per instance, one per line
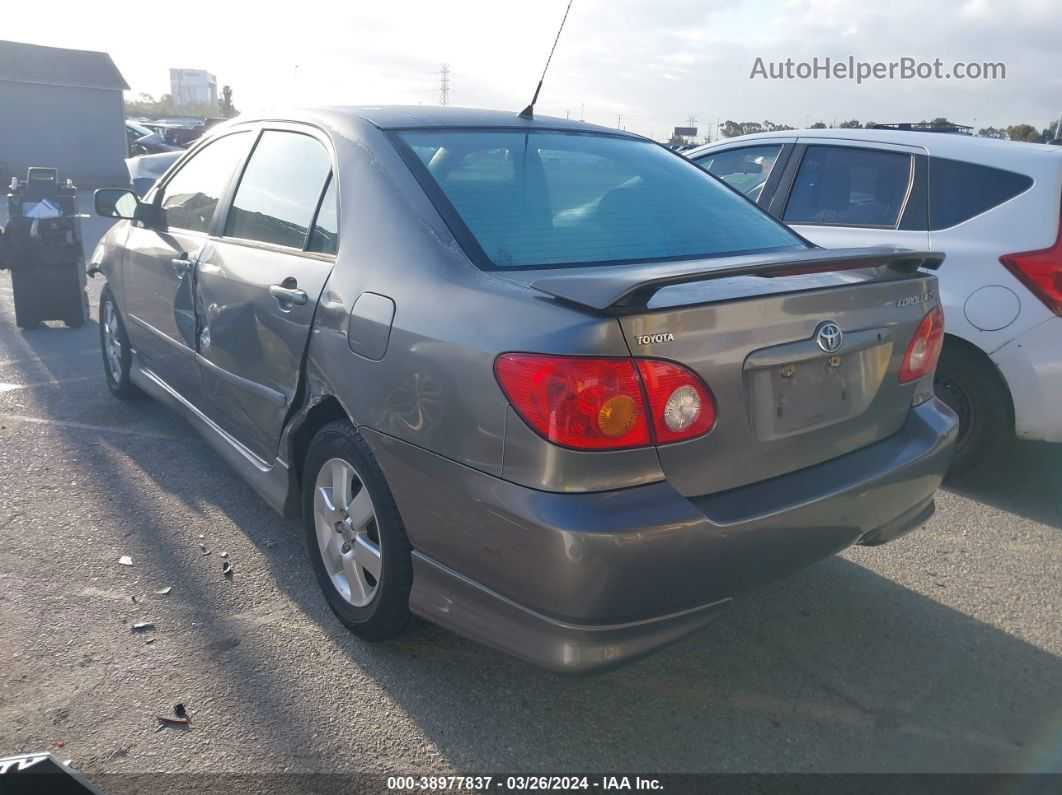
(775, 177)
(317, 213)
(903, 205)
(784, 187)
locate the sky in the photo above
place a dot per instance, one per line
(643, 65)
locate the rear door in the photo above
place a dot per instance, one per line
(841, 194)
(157, 282)
(258, 283)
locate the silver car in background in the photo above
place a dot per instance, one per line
(549, 385)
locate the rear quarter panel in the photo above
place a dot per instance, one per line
(435, 386)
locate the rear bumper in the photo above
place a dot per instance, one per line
(1032, 366)
(578, 582)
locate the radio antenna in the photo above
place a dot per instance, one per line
(529, 111)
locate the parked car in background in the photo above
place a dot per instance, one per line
(144, 141)
(546, 384)
(180, 132)
(144, 170)
(993, 206)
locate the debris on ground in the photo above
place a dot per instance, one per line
(203, 547)
(164, 591)
(125, 560)
(181, 719)
(270, 544)
(226, 569)
(168, 721)
(144, 626)
(224, 554)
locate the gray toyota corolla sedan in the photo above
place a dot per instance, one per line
(546, 384)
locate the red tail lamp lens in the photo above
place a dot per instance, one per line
(580, 402)
(603, 403)
(924, 348)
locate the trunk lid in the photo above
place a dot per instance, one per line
(784, 402)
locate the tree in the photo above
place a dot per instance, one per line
(228, 110)
(940, 123)
(851, 124)
(730, 129)
(1051, 131)
(993, 132)
(818, 126)
(147, 105)
(1023, 132)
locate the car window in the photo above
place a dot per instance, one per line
(190, 198)
(746, 169)
(280, 189)
(324, 238)
(958, 191)
(550, 198)
(849, 186)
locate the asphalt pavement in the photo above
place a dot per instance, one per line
(938, 652)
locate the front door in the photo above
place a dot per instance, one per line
(258, 283)
(157, 283)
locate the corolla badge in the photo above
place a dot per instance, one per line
(915, 300)
(829, 336)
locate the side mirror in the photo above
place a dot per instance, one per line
(117, 203)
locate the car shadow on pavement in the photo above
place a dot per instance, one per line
(835, 669)
(1025, 479)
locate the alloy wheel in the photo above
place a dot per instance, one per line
(112, 345)
(348, 534)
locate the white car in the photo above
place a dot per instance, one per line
(993, 207)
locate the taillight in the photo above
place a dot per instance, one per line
(590, 403)
(680, 405)
(1040, 271)
(924, 348)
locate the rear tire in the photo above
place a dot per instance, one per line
(114, 345)
(375, 607)
(970, 385)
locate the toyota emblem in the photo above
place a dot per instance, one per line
(829, 337)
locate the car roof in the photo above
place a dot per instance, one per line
(400, 117)
(937, 143)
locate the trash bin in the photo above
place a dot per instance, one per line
(41, 246)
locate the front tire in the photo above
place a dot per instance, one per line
(971, 387)
(354, 536)
(114, 345)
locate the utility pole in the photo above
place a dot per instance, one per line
(691, 121)
(444, 84)
(619, 121)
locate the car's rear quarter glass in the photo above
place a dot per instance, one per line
(958, 191)
(548, 198)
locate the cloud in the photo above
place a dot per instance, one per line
(652, 63)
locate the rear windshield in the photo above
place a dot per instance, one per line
(520, 199)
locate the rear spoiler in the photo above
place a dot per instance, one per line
(623, 288)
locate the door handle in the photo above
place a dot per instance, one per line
(181, 264)
(290, 296)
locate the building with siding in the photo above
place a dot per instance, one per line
(63, 109)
